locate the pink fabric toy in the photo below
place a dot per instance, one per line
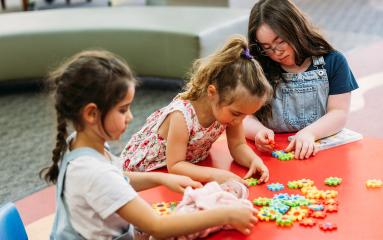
(210, 196)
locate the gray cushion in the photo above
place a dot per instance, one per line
(156, 41)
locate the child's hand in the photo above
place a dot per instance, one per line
(222, 176)
(304, 144)
(264, 140)
(257, 165)
(242, 218)
(178, 183)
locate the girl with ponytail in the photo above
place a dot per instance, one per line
(223, 89)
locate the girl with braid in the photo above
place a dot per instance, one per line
(93, 92)
(223, 89)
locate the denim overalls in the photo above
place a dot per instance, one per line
(301, 99)
(62, 228)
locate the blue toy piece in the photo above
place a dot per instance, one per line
(11, 225)
(275, 187)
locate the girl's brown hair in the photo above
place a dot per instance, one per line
(226, 69)
(291, 25)
(95, 76)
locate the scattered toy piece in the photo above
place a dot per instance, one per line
(331, 208)
(307, 222)
(284, 221)
(282, 155)
(374, 183)
(318, 214)
(333, 181)
(262, 201)
(251, 181)
(275, 187)
(327, 226)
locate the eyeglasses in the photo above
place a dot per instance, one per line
(279, 47)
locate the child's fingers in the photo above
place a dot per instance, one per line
(298, 147)
(310, 150)
(195, 184)
(270, 137)
(248, 174)
(290, 146)
(304, 150)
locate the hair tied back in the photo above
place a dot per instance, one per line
(246, 54)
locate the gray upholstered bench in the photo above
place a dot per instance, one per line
(156, 41)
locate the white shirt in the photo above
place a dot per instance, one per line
(94, 190)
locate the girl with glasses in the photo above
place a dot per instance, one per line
(312, 81)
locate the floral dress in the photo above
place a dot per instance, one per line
(146, 150)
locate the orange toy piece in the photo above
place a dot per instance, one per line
(308, 222)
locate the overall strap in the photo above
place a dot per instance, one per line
(318, 61)
(62, 227)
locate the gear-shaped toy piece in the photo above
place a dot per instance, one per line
(327, 226)
(333, 181)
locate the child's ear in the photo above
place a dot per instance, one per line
(211, 90)
(90, 113)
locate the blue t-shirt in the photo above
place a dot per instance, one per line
(340, 78)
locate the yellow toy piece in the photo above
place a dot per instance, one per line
(374, 183)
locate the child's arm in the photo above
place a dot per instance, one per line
(243, 154)
(144, 180)
(177, 141)
(332, 122)
(254, 130)
(140, 214)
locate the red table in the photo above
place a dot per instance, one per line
(360, 211)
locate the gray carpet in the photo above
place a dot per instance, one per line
(26, 119)
(27, 137)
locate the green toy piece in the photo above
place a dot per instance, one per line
(284, 221)
(251, 181)
(261, 201)
(333, 181)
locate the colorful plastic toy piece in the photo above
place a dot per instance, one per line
(308, 222)
(333, 181)
(297, 213)
(316, 207)
(282, 155)
(330, 201)
(292, 185)
(164, 208)
(262, 201)
(305, 183)
(284, 221)
(263, 214)
(251, 181)
(275, 187)
(327, 226)
(279, 206)
(272, 213)
(281, 196)
(330, 194)
(374, 183)
(318, 214)
(331, 208)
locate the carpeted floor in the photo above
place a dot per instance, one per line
(27, 122)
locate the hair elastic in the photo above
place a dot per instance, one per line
(246, 54)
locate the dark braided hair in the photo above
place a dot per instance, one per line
(98, 77)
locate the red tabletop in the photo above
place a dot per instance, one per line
(360, 209)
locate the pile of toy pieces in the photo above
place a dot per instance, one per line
(285, 209)
(307, 209)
